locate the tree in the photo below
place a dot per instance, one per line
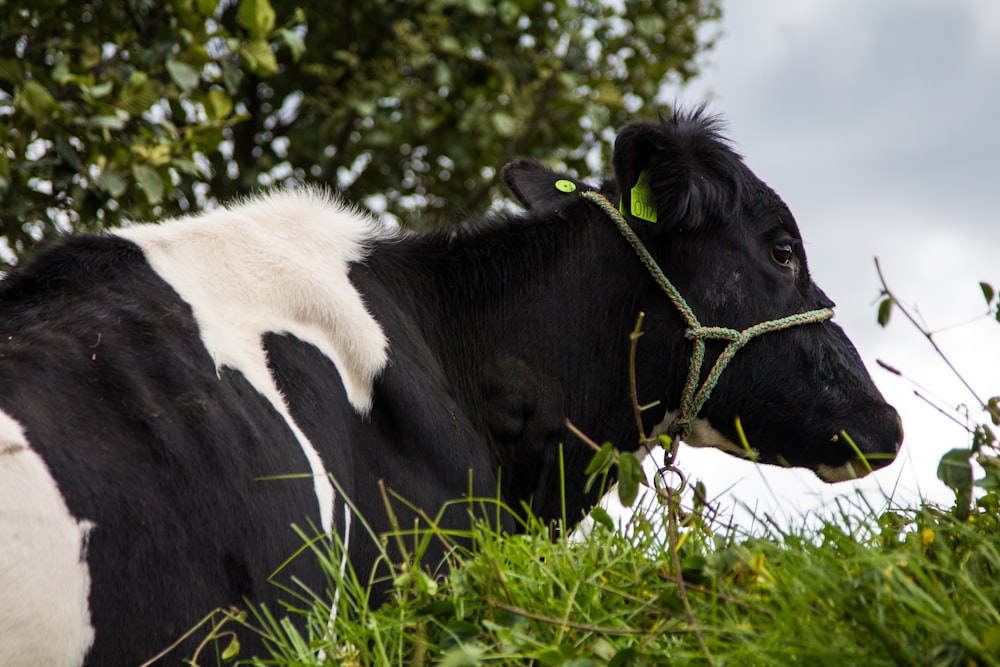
(142, 108)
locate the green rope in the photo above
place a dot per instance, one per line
(694, 397)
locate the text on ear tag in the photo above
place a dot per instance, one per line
(641, 204)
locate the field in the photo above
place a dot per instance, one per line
(907, 586)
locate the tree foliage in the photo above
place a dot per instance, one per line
(143, 108)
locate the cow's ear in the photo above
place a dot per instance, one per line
(635, 148)
(537, 187)
(660, 177)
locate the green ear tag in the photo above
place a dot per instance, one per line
(641, 201)
(565, 186)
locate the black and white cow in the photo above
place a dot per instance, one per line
(164, 388)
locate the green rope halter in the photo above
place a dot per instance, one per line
(694, 397)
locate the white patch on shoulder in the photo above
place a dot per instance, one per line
(44, 579)
(277, 263)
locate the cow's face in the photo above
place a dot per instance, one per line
(733, 249)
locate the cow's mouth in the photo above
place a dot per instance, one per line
(856, 468)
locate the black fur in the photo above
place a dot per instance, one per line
(498, 335)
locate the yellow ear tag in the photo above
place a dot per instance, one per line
(565, 186)
(641, 201)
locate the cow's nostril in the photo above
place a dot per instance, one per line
(890, 438)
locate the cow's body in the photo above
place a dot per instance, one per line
(175, 397)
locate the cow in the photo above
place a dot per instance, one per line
(175, 397)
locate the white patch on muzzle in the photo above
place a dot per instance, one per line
(703, 434)
(854, 469)
(44, 578)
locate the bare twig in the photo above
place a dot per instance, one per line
(673, 504)
(215, 635)
(681, 584)
(583, 436)
(926, 333)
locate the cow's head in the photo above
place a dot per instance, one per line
(732, 249)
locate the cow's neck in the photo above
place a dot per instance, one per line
(531, 326)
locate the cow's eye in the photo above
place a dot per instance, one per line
(782, 254)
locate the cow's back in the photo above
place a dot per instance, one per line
(146, 476)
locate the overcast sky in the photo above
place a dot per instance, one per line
(879, 124)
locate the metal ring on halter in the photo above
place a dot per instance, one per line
(660, 485)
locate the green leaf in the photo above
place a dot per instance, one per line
(554, 655)
(232, 650)
(651, 25)
(982, 437)
(112, 183)
(955, 469)
(438, 608)
(231, 77)
(187, 166)
(991, 477)
(624, 657)
(629, 476)
(150, 182)
(580, 662)
(10, 70)
(295, 44)
(61, 73)
(988, 292)
(463, 655)
(257, 16)
(207, 7)
(36, 100)
(601, 517)
(479, 7)
(218, 105)
(185, 76)
(602, 460)
(993, 407)
(138, 95)
(459, 632)
(885, 310)
(991, 639)
(90, 56)
(68, 153)
(693, 568)
(115, 122)
(600, 465)
(259, 58)
(100, 90)
(504, 123)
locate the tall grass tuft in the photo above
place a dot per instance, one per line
(908, 587)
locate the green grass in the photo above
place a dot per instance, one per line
(906, 587)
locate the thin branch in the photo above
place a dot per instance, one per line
(636, 408)
(681, 584)
(934, 405)
(926, 333)
(583, 436)
(673, 504)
